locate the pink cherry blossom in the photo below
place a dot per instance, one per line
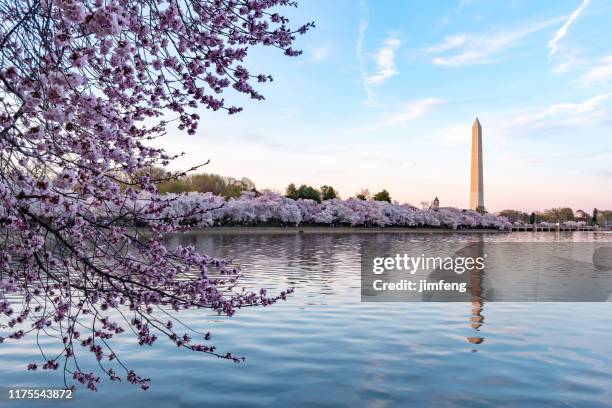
(207, 210)
(85, 85)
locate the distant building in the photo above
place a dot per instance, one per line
(435, 205)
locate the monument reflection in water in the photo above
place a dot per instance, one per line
(509, 272)
(475, 288)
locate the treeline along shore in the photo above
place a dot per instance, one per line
(271, 209)
(209, 200)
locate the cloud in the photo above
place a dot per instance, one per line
(363, 25)
(553, 44)
(563, 67)
(413, 110)
(450, 42)
(604, 173)
(560, 119)
(482, 48)
(598, 74)
(570, 109)
(321, 53)
(384, 57)
(385, 62)
(404, 113)
(467, 58)
(569, 64)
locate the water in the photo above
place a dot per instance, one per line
(324, 347)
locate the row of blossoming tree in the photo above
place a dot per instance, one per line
(85, 85)
(207, 210)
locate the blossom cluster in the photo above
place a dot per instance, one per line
(206, 210)
(85, 85)
(568, 224)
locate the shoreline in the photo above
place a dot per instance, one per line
(337, 230)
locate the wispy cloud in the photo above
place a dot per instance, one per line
(399, 115)
(566, 118)
(570, 63)
(464, 49)
(385, 61)
(321, 53)
(553, 44)
(363, 26)
(573, 109)
(471, 57)
(556, 119)
(413, 110)
(604, 173)
(598, 74)
(450, 42)
(384, 57)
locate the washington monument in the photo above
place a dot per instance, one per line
(476, 189)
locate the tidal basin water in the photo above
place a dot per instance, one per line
(324, 347)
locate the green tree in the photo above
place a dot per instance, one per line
(560, 214)
(174, 186)
(309, 192)
(363, 195)
(234, 190)
(605, 217)
(532, 218)
(205, 183)
(168, 182)
(154, 173)
(514, 215)
(291, 192)
(234, 187)
(567, 214)
(595, 216)
(382, 196)
(328, 193)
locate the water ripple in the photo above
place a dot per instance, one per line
(323, 347)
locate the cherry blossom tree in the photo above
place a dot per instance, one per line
(85, 85)
(274, 209)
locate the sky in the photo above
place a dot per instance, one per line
(385, 94)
